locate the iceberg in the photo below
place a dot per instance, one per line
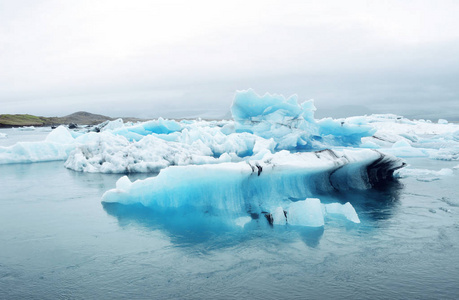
(261, 187)
(413, 138)
(291, 124)
(260, 125)
(3, 135)
(342, 210)
(423, 174)
(272, 162)
(57, 146)
(108, 153)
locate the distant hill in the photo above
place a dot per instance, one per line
(82, 118)
(79, 118)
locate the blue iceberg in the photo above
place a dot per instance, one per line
(273, 186)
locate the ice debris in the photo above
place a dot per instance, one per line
(311, 213)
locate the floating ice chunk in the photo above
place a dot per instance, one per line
(3, 135)
(57, 146)
(273, 116)
(112, 125)
(60, 135)
(197, 143)
(108, 153)
(456, 167)
(248, 105)
(345, 131)
(445, 154)
(442, 121)
(306, 213)
(423, 174)
(123, 184)
(27, 152)
(401, 144)
(345, 210)
(160, 126)
(27, 128)
(258, 186)
(242, 221)
(403, 148)
(311, 213)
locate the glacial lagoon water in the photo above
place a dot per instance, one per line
(58, 241)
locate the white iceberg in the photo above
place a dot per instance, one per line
(57, 146)
(423, 174)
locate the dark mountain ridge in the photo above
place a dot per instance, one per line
(78, 118)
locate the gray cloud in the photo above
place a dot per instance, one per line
(174, 59)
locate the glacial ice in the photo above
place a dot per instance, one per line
(261, 124)
(57, 146)
(3, 135)
(262, 187)
(306, 213)
(272, 159)
(290, 124)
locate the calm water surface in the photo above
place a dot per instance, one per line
(57, 241)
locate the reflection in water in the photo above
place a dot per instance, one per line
(102, 181)
(311, 235)
(375, 204)
(59, 242)
(182, 227)
(191, 227)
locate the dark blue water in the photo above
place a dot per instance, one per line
(57, 241)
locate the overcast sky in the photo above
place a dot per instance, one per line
(186, 58)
